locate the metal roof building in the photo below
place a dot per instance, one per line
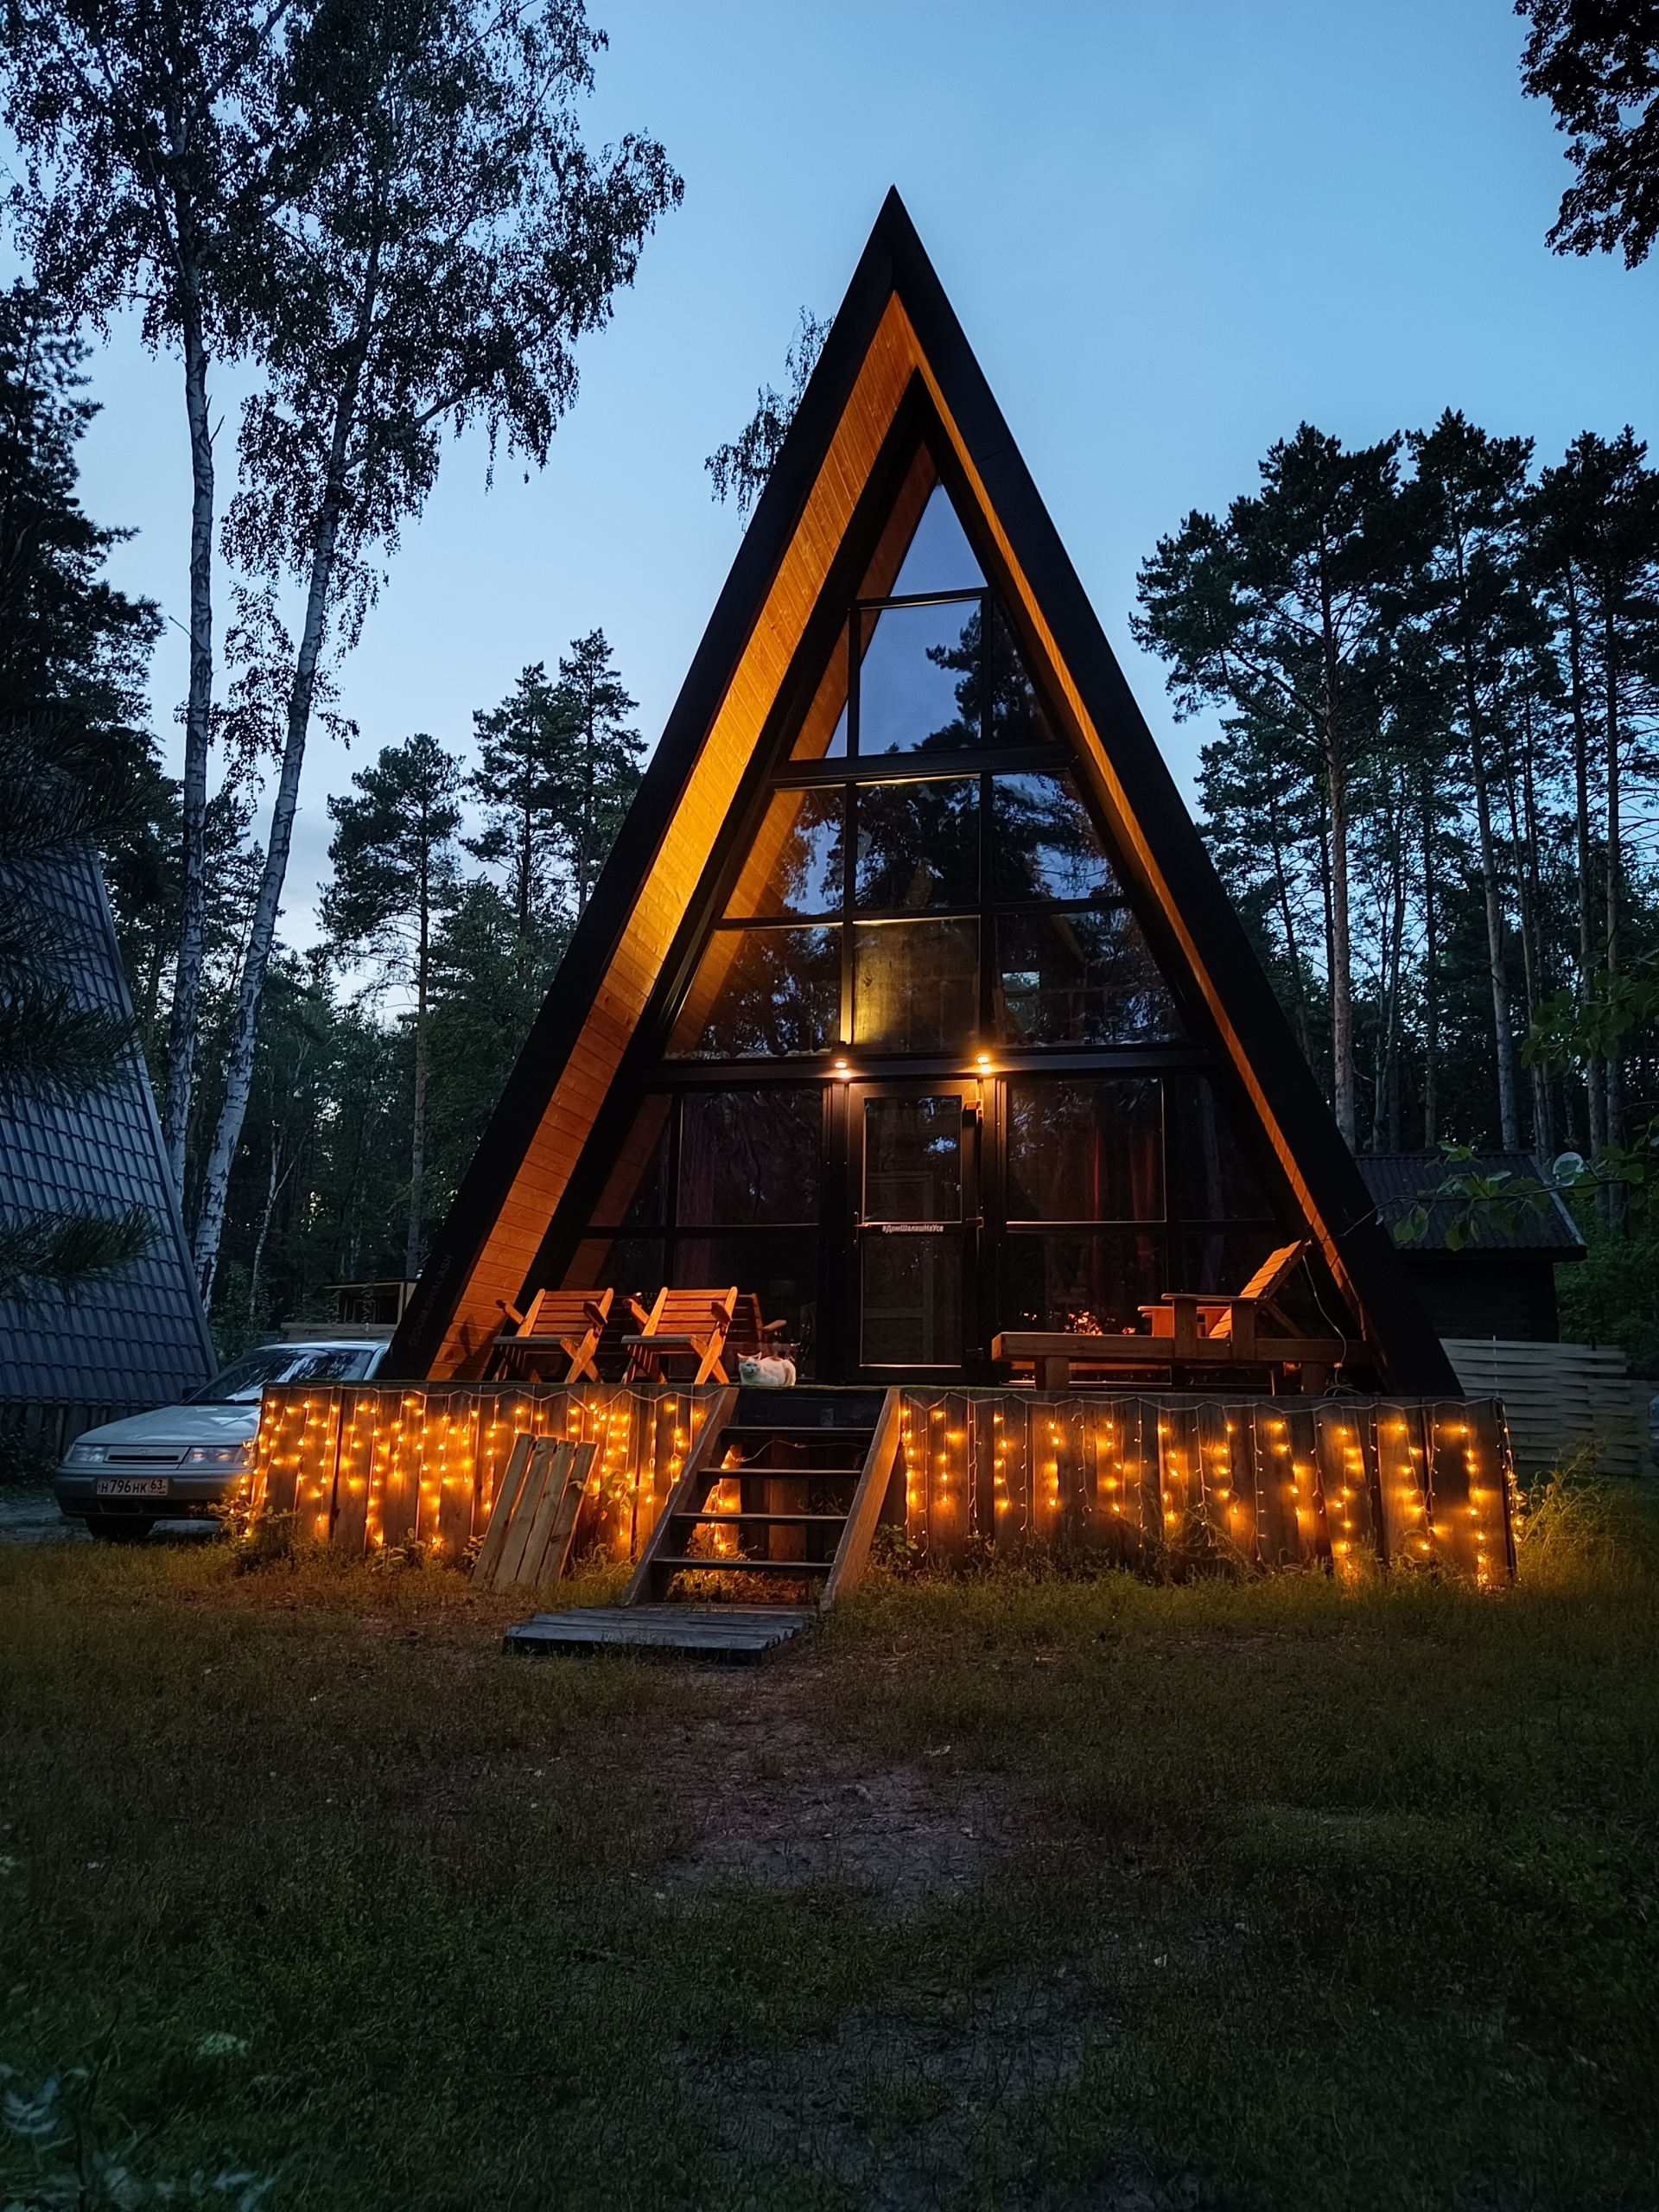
(141, 1340)
(1501, 1281)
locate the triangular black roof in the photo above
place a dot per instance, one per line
(141, 1339)
(894, 333)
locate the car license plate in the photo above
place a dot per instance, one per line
(132, 1486)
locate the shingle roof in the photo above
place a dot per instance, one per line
(141, 1340)
(1397, 1180)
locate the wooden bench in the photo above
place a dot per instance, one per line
(1188, 1331)
(683, 1324)
(557, 1325)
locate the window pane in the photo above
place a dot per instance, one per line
(918, 845)
(916, 985)
(631, 1266)
(781, 1271)
(1079, 979)
(749, 1156)
(1043, 845)
(824, 732)
(940, 557)
(762, 993)
(1017, 715)
(1098, 1279)
(918, 687)
(912, 1158)
(1085, 1151)
(636, 1190)
(910, 1290)
(1220, 1261)
(795, 866)
(1209, 1177)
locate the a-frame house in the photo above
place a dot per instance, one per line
(909, 1000)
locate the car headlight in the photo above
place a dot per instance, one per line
(86, 1455)
(219, 1455)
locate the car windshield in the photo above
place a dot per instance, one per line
(244, 1378)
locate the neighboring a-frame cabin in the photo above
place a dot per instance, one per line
(910, 1002)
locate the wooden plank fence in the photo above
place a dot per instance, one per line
(1155, 1482)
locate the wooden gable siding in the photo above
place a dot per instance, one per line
(893, 357)
(498, 1274)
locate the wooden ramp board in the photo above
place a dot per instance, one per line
(737, 1635)
(534, 1522)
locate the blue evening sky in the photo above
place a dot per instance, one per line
(1173, 230)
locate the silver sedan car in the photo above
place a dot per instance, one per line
(183, 1463)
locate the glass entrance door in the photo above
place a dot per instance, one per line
(915, 1228)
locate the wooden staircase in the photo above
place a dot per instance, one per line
(777, 1502)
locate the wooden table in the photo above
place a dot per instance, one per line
(1053, 1351)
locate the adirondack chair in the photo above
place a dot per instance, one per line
(681, 1324)
(557, 1325)
(1186, 1313)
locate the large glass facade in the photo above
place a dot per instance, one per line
(717, 1188)
(992, 1115)
(927, 780)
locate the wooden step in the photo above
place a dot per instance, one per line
(722, 1431)
(742, 1563)
(766, 1520)
(824, 1432)
(733, 1634)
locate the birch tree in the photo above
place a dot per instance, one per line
(448, 238)
(147, 151)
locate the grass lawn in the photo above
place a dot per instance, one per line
(998, 1894)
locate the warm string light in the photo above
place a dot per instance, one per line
(372, 1468)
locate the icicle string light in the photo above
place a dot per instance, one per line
(1349, 1483)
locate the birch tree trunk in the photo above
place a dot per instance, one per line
(185, 1017)
(210, 1224)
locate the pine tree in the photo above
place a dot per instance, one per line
(518, 783)
(394, 860)
(599, 758)
(1284, 612)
